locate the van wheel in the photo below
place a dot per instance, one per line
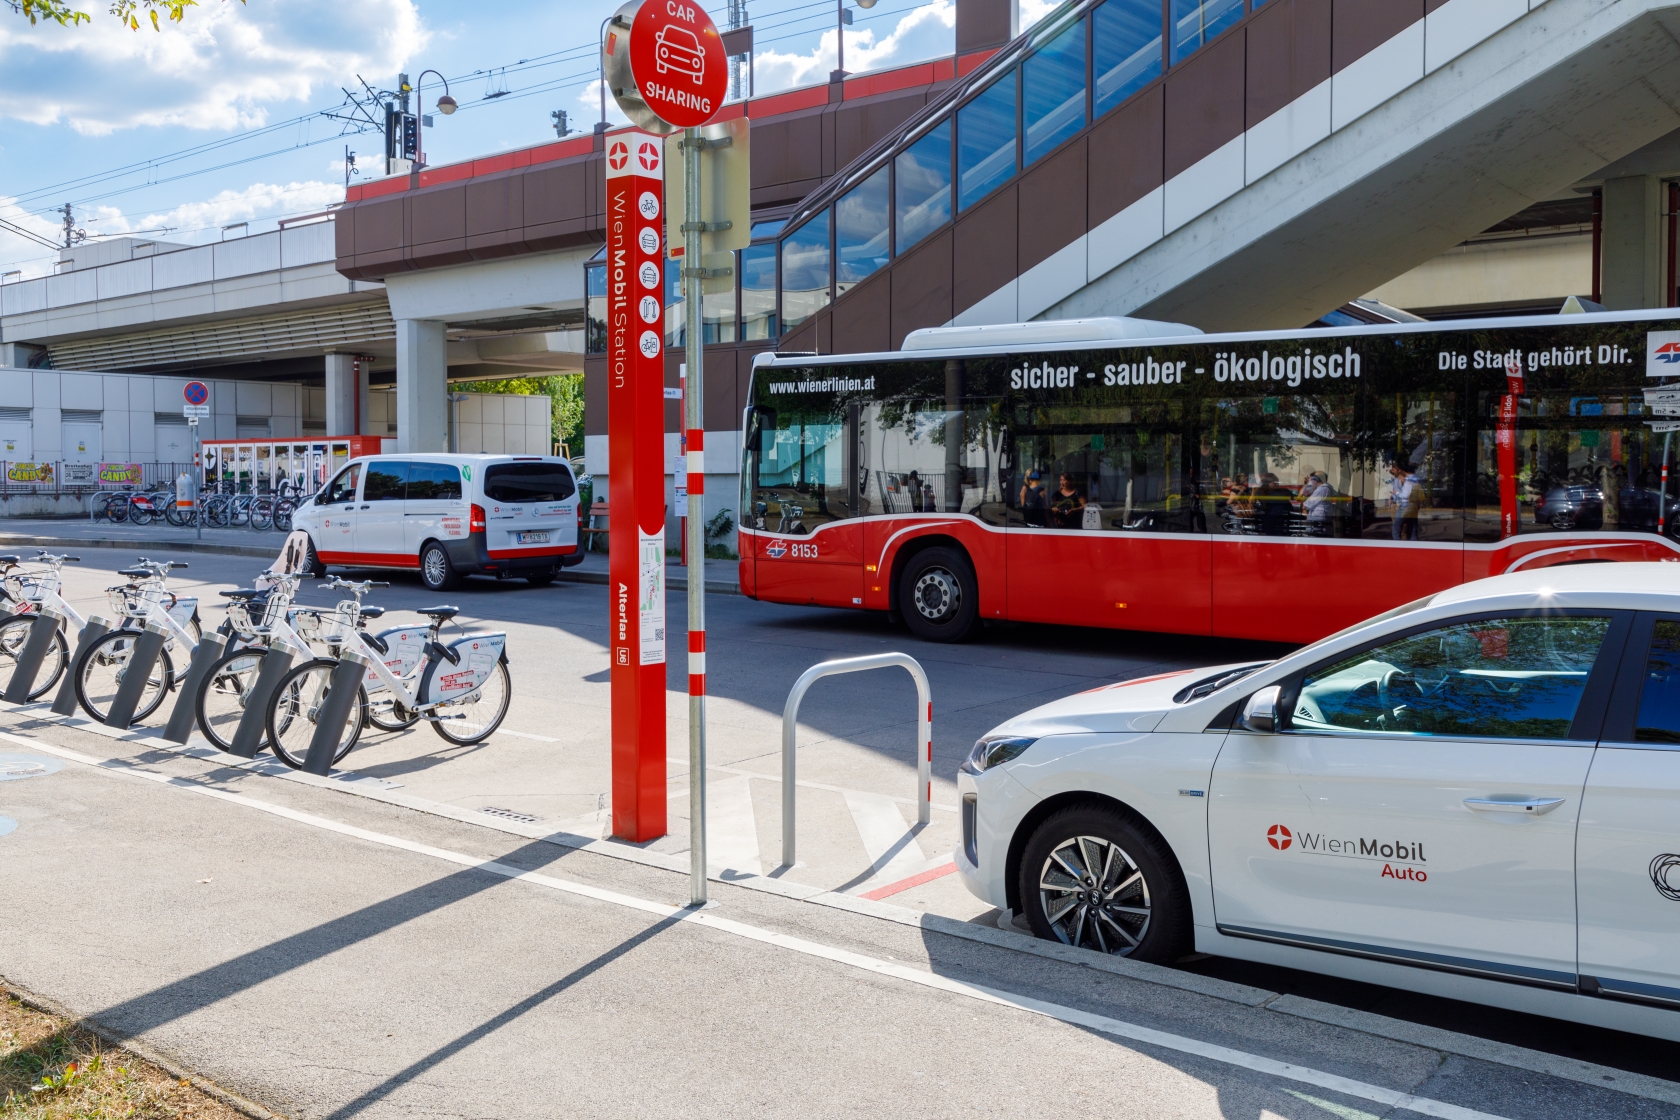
(939, 596)
(1093, 879)
(436, 572)
(542, 578)
(312, 563)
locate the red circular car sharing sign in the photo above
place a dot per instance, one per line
(676, 55)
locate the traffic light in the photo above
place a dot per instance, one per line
(402, 138)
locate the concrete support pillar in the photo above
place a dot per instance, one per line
(422, 386)
(341, 395)
(1633, 243)
(17, 354)
(362, 369)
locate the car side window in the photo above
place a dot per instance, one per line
(1659, 696)
(386, 482)
(1502, 678)
(343, 488)
(434, 482)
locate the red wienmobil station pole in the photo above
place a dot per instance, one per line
(636, 460)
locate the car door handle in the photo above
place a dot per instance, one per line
(1534, 805)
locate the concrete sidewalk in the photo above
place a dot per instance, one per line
(327, 956)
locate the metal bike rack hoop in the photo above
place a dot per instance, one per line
(790, 722)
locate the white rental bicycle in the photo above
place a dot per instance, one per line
(462, 689)
(144, 601)
(27, 593)
(259, 619)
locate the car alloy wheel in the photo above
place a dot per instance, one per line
(1094, 896)
(436, 567)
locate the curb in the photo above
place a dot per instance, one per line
(138, 1049)
(157, 545)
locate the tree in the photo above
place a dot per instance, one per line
(126, 11)
(565, 393)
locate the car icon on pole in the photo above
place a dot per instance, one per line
(679, 50)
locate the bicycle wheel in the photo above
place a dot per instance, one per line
(296, 704)
(220, 703)
(216, 512)
(472, 720)
(117, 508)
(283, 514)
(101, 673)
(140, 513)
(14, 635)
(262, 513)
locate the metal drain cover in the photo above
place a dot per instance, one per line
(510, 815)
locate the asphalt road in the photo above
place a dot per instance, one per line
(332, 955)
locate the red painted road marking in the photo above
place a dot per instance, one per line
(914, 881)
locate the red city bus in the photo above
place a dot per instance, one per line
(1143, 476)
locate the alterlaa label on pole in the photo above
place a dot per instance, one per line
(665, 64)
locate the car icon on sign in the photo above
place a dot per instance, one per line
(679, 50)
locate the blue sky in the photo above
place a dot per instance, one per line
(98, 115)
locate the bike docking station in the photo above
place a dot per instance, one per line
(666, 67)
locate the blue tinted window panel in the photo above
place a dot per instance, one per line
(861, 226)
(1126, 49)
(805, 271)
(758, 292)
(922, 187)
(986, 142)
(1195, 22)
(1053, 91)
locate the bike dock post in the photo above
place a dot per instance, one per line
(790, 723)
(342, 691)
(147, 645)
(249, 735)
(205, 654)
(64, 704)
(41, 634)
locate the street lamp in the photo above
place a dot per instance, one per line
(445, 105)
(843, 17)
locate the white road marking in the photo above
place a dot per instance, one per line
(525, 735)
(893, 851)
(1241, 1059)
(731, 828)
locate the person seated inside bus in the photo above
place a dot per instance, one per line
(1035, 503)
(1067, 505)
(1272, 506)
(1316, 504)
(1236, 505)
(1404, 497)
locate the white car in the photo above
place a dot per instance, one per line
(447, 516)
(1476, 795)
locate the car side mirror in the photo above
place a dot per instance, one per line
(1260, 713)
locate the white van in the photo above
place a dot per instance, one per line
(447, 516)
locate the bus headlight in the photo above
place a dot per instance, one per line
(995, 750)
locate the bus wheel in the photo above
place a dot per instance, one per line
(939, 596)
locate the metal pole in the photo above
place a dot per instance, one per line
(839, 38)
(198, 479)
(696, 540)
(790, 732)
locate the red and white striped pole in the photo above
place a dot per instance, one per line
(694, 447)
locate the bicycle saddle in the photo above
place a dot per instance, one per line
(373, 612)
(243, 594)
(134, 573)
(442, 614)
(10, 560)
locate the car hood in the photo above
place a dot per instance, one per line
(1134, 705)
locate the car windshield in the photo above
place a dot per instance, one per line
(1396, 612)
(527, 482)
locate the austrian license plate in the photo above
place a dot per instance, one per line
(532, 538)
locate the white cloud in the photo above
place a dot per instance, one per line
(220, 70)
(1034, 10)
(925, 32)
(189, 222)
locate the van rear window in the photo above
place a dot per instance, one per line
(527, 482)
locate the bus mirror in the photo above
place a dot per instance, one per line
(1260, 713)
